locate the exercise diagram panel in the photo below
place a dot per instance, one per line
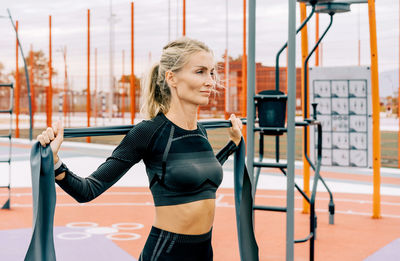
(344, 108)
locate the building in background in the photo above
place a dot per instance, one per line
(265, 80)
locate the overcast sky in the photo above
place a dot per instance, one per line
(206, 20)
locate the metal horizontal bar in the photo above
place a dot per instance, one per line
(124, 129)
(6, 136)
(4, 186)
(301, 123)
(6, 85)
(6, 111)
(271, 129)
(268, 96)
(269, 165)
(4, 161)
(305, 239)
(351, 1)
(270, 208)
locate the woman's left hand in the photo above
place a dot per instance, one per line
(235, 132)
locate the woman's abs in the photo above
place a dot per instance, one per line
(192, 218)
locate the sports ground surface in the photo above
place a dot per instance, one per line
(115, 225)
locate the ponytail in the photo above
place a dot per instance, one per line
(156, 94)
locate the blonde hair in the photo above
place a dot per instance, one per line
(156, 94)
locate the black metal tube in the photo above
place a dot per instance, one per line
(314, 191)
(26, 77)
(258, 169)
(305, 98)
(320, 177)
(308, 58)
(298, 188)
(124, 129)
(260, 159)
(277, 148)
(303, 240)
(285, 45)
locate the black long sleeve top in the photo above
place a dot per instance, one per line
(180, 164)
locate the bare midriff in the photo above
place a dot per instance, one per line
(192, 218)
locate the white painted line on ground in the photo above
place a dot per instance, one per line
(219, 198)
(222, 204)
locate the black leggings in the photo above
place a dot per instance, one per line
(162, 245)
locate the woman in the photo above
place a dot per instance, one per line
(183, 171)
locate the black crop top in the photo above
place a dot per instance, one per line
(180, 164)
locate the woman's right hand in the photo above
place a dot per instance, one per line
(53, 136)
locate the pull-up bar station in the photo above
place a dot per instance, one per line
(256, 101)
(270, 128)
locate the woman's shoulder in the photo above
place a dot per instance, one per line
(146, 127)
(148, 124)
(140, 135)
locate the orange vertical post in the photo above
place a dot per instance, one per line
(184, 18)
(88, 73)
(95, 87)
(123, 87)
(304, 53)
(244, 72)
(132, 78)
(317, 38)
(17, 87)
(376, 134)
(286, 71)
(65, 107)
(32, 86)
(50, 88)
(226, 81)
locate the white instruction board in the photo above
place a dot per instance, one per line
(344, 108)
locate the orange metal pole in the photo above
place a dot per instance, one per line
(88, 73)
(286, 70)
(65, 85)
(49, 105)
(32, 86)
(304, 53)
(95, 87)
(244, 72)
(316, 38)
(132, 78)
(50, 89)
(226, 81)
(17, 87)
(184, 18)
(376, 135)
(123, 87)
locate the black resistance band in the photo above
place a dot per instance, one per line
(44, 203)
(244, 206)
(44, 195)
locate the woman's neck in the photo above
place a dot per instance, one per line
(184, 118)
